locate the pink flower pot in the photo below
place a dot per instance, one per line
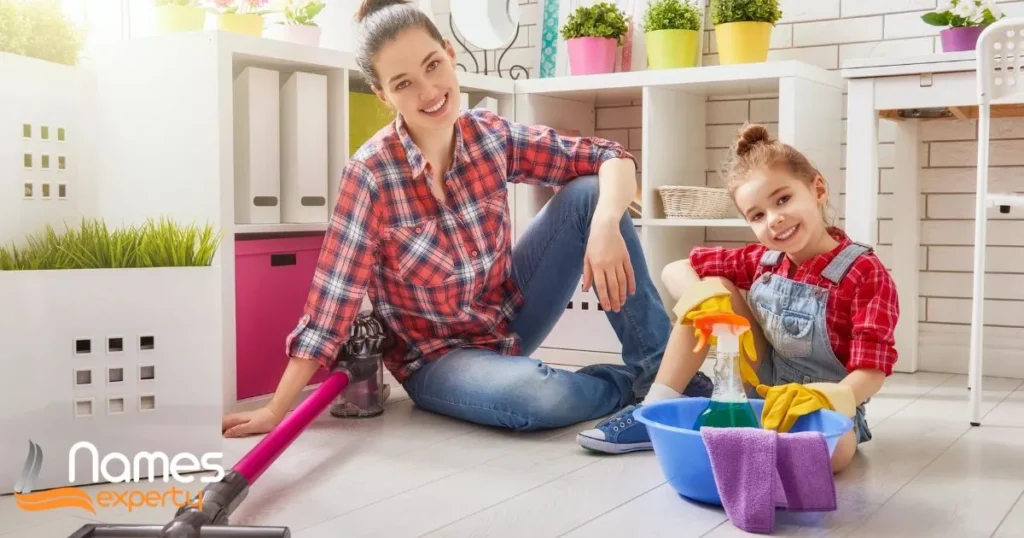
(960, 39)
(592, 55)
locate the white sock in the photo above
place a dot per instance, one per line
(660, 392)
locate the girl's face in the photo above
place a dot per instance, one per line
(417, 78)
(785, 212)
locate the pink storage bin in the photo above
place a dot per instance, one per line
(272, 280)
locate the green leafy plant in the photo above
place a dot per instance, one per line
(726, 11)
(253, 7)
(182, 3)
(157, 243)
(602, 19)
(964, 13)
(302, 12)
(12, 31)
(672, 15)
(39, 29)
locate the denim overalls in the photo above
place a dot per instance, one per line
(792, 317)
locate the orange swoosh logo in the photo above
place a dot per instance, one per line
(53, 499)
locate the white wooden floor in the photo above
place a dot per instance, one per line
(411, 473)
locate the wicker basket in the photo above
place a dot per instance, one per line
(695, 202)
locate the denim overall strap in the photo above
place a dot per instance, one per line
(792, 316)
(841, 264)
(771, 258)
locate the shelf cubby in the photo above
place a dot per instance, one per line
(675, 151)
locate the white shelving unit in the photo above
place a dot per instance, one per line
(674, 152)
(166, 122)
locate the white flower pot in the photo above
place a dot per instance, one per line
(127, 359)
(295, 33)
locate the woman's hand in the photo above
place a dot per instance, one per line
(606, 264)
(246, 423)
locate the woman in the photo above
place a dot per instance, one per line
(422, 226)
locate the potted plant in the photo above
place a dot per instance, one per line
(111, 335)
(240, 16)
(743, 29)
(964, 21)
(298, 25)
(157, 243)
(172, 16)
(672, 33)
(593, 35)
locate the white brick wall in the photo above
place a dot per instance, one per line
(827, 33)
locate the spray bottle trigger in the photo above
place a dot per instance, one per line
(702, 340)
(705, 325)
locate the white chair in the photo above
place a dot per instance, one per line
(1000, 51)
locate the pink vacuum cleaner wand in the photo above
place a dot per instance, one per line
(207, 516)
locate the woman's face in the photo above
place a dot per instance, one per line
(417, 78)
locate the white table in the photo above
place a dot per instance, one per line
(903, 90)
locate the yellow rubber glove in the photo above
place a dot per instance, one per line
(703, 297)
(840, 397)
(785, 404)
(711, 297)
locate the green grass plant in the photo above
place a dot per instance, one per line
(93, 245)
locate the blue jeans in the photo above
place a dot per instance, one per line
(522, 393)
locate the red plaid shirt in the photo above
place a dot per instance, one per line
(861, 311)
(439, 276)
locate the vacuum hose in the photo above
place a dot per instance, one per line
(206, 516)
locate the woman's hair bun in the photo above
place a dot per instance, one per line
(750, 137)
(370, 6)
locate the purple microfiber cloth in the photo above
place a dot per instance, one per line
(758, 471)
(804, 469)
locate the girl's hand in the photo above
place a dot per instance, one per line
(246, 423)
(606, 265)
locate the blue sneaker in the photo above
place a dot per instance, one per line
(700, 386)
(622, 433)
(617, 434)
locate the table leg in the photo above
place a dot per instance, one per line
(906, 242)
(862, 163)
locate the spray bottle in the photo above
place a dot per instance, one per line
(728, 407)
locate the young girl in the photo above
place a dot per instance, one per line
(823, 308)
(422, 227)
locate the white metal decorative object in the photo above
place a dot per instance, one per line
(488, 25)
(999, 57)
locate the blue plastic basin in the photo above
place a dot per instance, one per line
(681, 452)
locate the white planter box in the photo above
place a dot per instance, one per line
(127, 359)
(47, 122)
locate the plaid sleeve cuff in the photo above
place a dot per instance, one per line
(873, 355)
(737, 265)
(614, 150)
(309, 343)
(703, 257)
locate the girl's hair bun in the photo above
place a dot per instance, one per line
(750, 137)
(369, 6)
